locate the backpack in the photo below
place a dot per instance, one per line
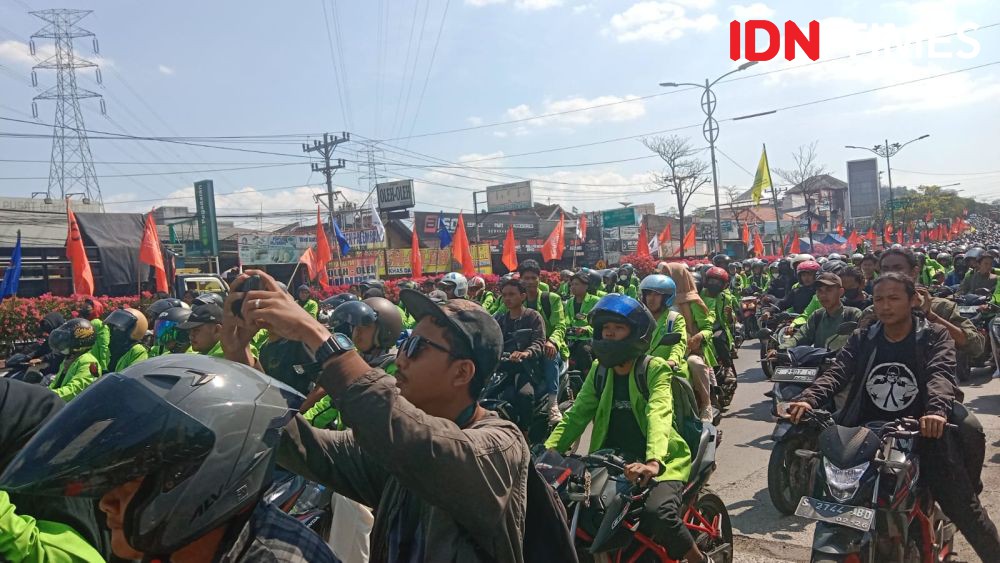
(546, 525)
(686, 420)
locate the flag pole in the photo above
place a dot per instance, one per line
(292, 277)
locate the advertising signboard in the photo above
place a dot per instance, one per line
(395, 195)
(208, 228)
(508, 197)
(863, 188)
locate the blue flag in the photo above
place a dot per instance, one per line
(341, 240)
(443, 235)
(12, 276)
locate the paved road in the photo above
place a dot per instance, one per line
(741, 479)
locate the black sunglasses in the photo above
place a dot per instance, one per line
(413, 344)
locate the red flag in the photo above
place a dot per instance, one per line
(460, 249)
(309, 259)
(746, 233)
(323, 254)
(689, 238)
(509, 258)
(643, 245)
(581, 228)
(899, 237)
(909, 231)
(854, 240)
(416, 260)
(888, 229)
(926, 235)
(665, 234)
(554, 245)
(786, 241)
(758, 245)
(871, 235)
(795, 249)
(83, 278)
(840, 228)
(149, 253)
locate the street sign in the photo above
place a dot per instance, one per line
(395, 195)
(624, 217)
(208, 228)
(508, 197)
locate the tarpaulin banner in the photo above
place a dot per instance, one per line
(262, 249)
(435, 261)
(355, 269)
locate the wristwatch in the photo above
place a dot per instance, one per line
(334, 346)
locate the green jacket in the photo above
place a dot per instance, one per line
(718, 306)
(705, 323)
(135, 354)
(72, 379)
(324, 415)
(555, 323)
(312, 306)
(655, 418)
(25, 539)
(763, 282)
(488, 301)
(217, 352)
(578, 318)
(259, 339)
(408, 320)
(102, 344)
(811, 308)
(563, 290)
(676, 353)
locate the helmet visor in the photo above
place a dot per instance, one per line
(168, 332)
(117, 431)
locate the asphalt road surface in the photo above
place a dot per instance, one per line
(762, 533)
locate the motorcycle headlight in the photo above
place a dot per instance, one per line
(843, 483)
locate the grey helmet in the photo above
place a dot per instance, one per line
(202, 431)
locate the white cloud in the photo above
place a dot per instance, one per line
(474, 157)
(581, 8)
(19, 54)
(755, 11)
(526, 5)
(481, 3)
(615, 109)
(164, 69)
(474, 120)
(661, 21)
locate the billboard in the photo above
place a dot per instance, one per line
(508, 197)
(208, 229)
(260, 249)
(395, 195)
(622, 217)
(863, 195)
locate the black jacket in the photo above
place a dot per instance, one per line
(935, 353)
(798, 299)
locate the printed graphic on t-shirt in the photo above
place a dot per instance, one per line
(622, 405)
(892, 386)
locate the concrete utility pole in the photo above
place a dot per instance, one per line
(325, 149)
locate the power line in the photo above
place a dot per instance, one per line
(333, 63)
(430, 66)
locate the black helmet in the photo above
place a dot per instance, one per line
(610, 275)
(201, 431)
(167, 332)
(834, 267)
(74, 335)
(161, 305)
(407, 284)
(623, 309)
(976, 253)
(336, 300)
(208, 298)
(374, 310)
(720, 260)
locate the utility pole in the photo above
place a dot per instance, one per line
(325, 150)
(72, 165)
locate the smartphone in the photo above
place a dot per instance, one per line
(253, 283)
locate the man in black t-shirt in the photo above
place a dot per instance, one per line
(901, 366)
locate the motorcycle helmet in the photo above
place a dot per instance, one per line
(202, 432)
(834, 256)
(757, 264)
(161, 305)
(625, 271)
(822, 260)
(622, 309)
(720, 260)
(808, 266)
(377, 311)
(335, 301)
(208, 298)
(773, 269)
(834, 267)
(610, 276)
(456, 282)
(664, 285)
(74, 335)
(128, 321)
(944, 259)
(717, 273)
(407, 284)
(857, 257)
(167, 332)
(479, 282)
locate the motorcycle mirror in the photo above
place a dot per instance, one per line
(847, 328)
(670, 339)
(764, 333)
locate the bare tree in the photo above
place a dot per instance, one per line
(805, 175)
(683, 174)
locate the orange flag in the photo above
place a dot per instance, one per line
(899, 237)
(460, 249)
(746, 233)
(323, 254)
(665, 235)
(643, 245)
(309, 259)
(149, 253)
(871, 235)
(83, 278)
(509, 258)
(554, 245)
(758, 245)
(854, 239)
(416, 260)
(840, 228)
(689, 238)
(796, 248)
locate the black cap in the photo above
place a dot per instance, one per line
(478, 330)
(830, 279)
(209, 313)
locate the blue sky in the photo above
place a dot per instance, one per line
(249, 68)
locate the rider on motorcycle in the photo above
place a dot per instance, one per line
(170, 338)
(74, 340)
(781, 282)
(643, 430)
(611, 284)
(122, 337)
(479, 294)
(515, 317)
(628, 280)
(821, 327)
(982, 274)
(959, 269)
(578, 307)
(304, 299)
(802, 292)
(901, 366)
(657, 294)
(869, 266)
(454, 285)
(758, 280)
(854, 295)
(718, 300)
(563, 289)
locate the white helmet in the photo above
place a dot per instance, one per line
(458, 280)
(478, 281)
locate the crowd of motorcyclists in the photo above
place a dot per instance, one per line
(157, 434)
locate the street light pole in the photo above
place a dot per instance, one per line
(888, 151)
(711, 132)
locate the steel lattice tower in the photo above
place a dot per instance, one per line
(72, 168)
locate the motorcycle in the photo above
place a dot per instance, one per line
(789, 476)
(605, 509)
(515, 391)
(748, 308)
(868, 500)
(976, 307)
(776, 323)
(725, 375)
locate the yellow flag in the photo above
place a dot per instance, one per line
(762, 179)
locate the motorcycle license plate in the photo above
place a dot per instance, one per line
(794, 375)
(857, 517)
(968, 310)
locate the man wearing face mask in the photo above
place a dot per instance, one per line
(854, 296)
(122, 335)
(658, 293)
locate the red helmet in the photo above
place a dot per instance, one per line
(808, 266)
(718, 273)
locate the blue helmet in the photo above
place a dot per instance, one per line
(664, 285)
(622, 309)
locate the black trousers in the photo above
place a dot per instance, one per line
(662, 519)
(942, 462)
(972, 438)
